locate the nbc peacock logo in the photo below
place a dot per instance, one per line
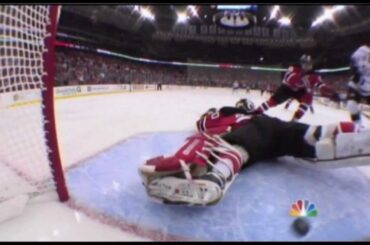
(303, 208)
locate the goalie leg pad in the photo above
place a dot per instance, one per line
(353, 144)
(198, 186)
(184, 158)
(345, 145)
(325, 149)
(174, 190)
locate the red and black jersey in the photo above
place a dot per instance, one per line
(296, 79)
(225, 119)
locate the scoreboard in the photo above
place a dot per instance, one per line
(235, 16)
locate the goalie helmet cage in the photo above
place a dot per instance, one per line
(30, 162)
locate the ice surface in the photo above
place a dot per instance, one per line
(255, 208)
(110, 203)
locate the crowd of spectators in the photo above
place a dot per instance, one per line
(80, 67)
(337, 81)
(77, 67)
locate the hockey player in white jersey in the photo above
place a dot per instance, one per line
(359, 84)
(235, 86)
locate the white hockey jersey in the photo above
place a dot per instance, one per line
(361, 64)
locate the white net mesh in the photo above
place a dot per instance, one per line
(24, 164)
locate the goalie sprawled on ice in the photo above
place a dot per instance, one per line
(229, 139)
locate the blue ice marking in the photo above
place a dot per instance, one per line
(255, 208)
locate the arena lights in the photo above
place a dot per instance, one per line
(274, 12)
(284, 21)
(339, 8)
(193, 10)
(182, 17)
(144, 12)
(327, 15)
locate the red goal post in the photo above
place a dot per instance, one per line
(48, 102)
(30, 162)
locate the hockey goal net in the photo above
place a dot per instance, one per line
(29, 158)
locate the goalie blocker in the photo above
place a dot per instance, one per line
(201, 172)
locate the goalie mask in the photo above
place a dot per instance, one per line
(245, 104)
(209, 112)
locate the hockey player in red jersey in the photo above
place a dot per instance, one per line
(203, 169)
(299, 83)
(286, 107)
